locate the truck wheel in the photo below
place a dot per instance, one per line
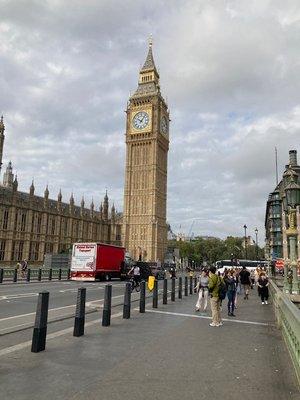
(107, 277)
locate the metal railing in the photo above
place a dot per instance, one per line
(33, 274)
(288, 320)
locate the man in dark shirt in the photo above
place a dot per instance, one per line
(245, 281)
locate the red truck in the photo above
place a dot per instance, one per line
(97, 261)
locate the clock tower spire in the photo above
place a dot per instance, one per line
(147, 145)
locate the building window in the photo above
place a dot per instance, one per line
(53, 226)
(39, 224)
(23, 221)
(5, 219)
(2, 249)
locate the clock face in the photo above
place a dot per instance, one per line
(140, 120)
(164, 125)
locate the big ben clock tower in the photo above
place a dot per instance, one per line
(147, 145)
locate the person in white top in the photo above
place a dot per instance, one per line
(202, 289)
(136, 271)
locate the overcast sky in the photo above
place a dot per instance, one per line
(229, 70)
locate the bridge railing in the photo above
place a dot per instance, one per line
(288, 320)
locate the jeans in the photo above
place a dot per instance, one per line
(231, 297)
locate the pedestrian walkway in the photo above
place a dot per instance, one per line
(168, 353)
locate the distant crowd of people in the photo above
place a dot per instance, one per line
(216, 286)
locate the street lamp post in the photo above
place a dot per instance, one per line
(292, 191)
(256, 243)
(245, 228)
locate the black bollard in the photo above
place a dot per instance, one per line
(127, 301)
(80, 313)
(191, 285)
(15, 277)
(155, 295)
(1, 275)
(165, 292)
(107, 306)
(69, 274)
(195, 284)
(142, 296)
(173, 290)
(59, 274)
(40, 326)
(180, 287)
(28, 275)
(50, 274)
(185, 285)
(40, 274)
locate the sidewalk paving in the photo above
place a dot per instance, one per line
(168, 353)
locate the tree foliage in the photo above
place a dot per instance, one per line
(213, 249)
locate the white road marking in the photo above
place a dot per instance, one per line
(17, 296)
(50, 336)
(239, 321)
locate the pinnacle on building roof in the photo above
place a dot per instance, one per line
(82, 202)
(46, 193)
(92, 204)
(59, 197)
(72, 198)
(31, 189)
(149, 63)
(105, 197)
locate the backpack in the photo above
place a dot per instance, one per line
(222, 289)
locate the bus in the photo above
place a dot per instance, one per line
(249, 264)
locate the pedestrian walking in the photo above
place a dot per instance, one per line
(213, 288)
(231, 284)
(245, 282)
(263, 284)
(202, 289)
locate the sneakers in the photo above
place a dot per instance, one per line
(266, 302)
(197, 309)
(213, 324)
(262, 302)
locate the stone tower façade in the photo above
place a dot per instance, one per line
(147, 145)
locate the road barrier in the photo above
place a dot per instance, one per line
(107, 306)
(50, 274)
(173, 290)
(28, 275)
(1, 275)
(59, 274)
(186, 286)
(288, 321)
(180, 287)
(165, 292)
(155, 294)
(143, 297)
(40, 326)
(80, 313)
(36, 274)
(40, 274)
(195, 284)
(191, 285)
(127, 301)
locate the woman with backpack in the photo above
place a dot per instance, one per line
(231, 284)
(202, 290)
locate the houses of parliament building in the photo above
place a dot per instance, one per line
(32, 226)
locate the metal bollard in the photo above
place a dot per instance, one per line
(80, 313)
(142, 297)
(50, 274)
(40, 326)
(185, 285)
(28, 275)
(107, 306)
(195, 284)
(127, 301)
(155, 295)
(1, 275)
(69, 274)
(173, 290)
(15, 277)
(40, 274)
(191, 285)
(180, 287)
(165, 292)
(59, 274)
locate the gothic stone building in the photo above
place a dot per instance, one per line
(276, 217)
(147, 145)
(31, 226)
